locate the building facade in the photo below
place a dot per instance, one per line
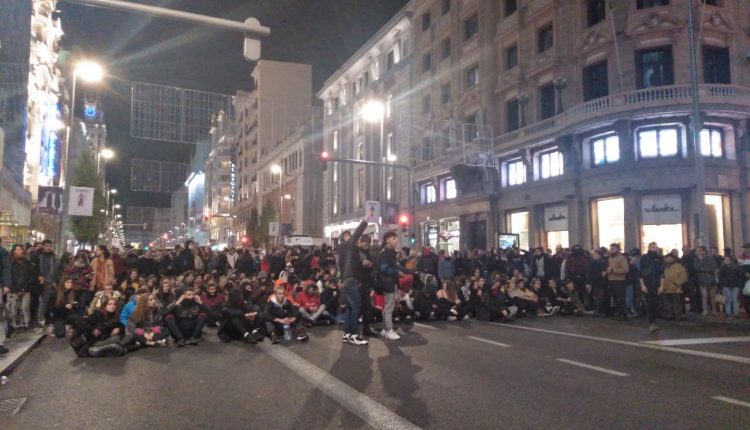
(379, 75)
(280, 101)
(588, 111)
(220, 177)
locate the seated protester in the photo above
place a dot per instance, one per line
(329, 298)
(425, 303)
(145, 323)
(152, 283)
(447, 301)
(198, 287)
(377, 302)
(214, 301)
(101, 296)
(64, 306)
(164, 295)
(494, 305)
(280, 312)
(187, 280)
(568, 300)
(129, 307)
(523, 298)
(405, 303)
(186, 317)
(240, 319)
(131, 282)
(471, 299)
(99, 335)
(536, 287)
(310, 307)
(552, 297)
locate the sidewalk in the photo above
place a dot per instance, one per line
(19, 345)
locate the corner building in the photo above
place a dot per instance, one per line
(587, 104)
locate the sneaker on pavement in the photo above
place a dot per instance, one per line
(302, 336)
(346, 338)
(192, 341)
(383, 332)
(652, 328)
(274, 339)
(181, 343)
(356, 340)
(392, 335)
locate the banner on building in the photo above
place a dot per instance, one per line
(273, 228)
(374, 207)
(391, 214)
(665, 209)
(556, 218)
(81, 201)
(50, 201)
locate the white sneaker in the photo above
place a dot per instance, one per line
(355, 339)
(392, 335)
(383, 332)
(346, 338)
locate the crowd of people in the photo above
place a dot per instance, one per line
(107, 303)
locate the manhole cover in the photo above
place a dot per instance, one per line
(11, 406)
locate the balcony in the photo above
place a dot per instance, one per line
(634, 100)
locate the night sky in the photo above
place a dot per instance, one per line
(323, 33)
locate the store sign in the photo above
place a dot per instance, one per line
(556, 218)
(81, 201)
(666, 209)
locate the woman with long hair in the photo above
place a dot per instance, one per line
(64, 306)
(165, 295)
(132, 281)
(145, 323)
(100, 335)
(448, 302)
(104, 269)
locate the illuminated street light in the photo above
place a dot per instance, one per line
(276, 169)
(107, 154)
(117, 206)
(89, 71)
(373, 111)
(287, 196)
(392, 158)
(113, 191)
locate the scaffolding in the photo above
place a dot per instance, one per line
(159, 112)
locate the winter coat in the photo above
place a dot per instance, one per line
(349, 259)
(309, 302)
(428, 262)
(618, 267)
(276, 310)
(330, 298)
(105, 323)
(388, 268)
(446, 269)
(81, 276)
(187, 310)
(705, 269)
(156, 320)
(675, 276)
(652, 269)
(127, 310)
(730, 276)
(24, 276)
(104, 272)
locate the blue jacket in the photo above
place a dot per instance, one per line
(127, 310)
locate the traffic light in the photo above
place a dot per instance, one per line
(403, 221)
(245, 240)
(323, 158)
(413, 240)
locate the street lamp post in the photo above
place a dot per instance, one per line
(374, 112)
(277, 170)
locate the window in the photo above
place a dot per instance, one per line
(519, 224)
(595, 81)
(510, 6)
(716, 67)
(658, 142)
(426, 22)
(712, 142)
(595, 11)
(389, 146)
(429, 194)
(366, 79)
(446, 48)
(361, 183)
(645, 4)
(605, 150)
(428, 152)
(388, 102)
(426, 62)
(390, 60)
(515, 172)
(711, 2)
(654, 67)
(445, 93)
(611, 221)
(511, 115)
(547, 101)
(472, 77)
(335, 140)
(390, 185)
(550, 164)
(426, 104)
(471, 27)
(448, 189)
(445, 7)
(361, 151)
(544, 38)
(511, 57)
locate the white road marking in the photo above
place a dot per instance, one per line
(732, 401)
(588, 366)
(372, 412)
(725, 357)
(492, 342)
(698, 341)
(425, 326)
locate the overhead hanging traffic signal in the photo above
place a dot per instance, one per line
(323, 158)
(403, 221)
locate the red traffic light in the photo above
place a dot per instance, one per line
(245, 240)
(403, 219)
(325, 155)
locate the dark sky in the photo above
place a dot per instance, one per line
(323, 33)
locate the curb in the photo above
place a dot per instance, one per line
(12, 365)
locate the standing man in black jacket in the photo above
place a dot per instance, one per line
(389, 270)
(364, 276)
(349, 264)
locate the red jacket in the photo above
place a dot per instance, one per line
(310, 303)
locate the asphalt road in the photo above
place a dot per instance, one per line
(563, 373)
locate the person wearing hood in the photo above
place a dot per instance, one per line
(214, 301)
(240, 320)
(652, 270)
(281, 312)
(186, 317)
(675, 277)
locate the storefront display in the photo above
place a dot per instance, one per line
(556, 226)
(611, 221)
(661, 218)
(519, 224)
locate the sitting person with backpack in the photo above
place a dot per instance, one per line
(100, 334)
(185, 318)
(240, 320)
